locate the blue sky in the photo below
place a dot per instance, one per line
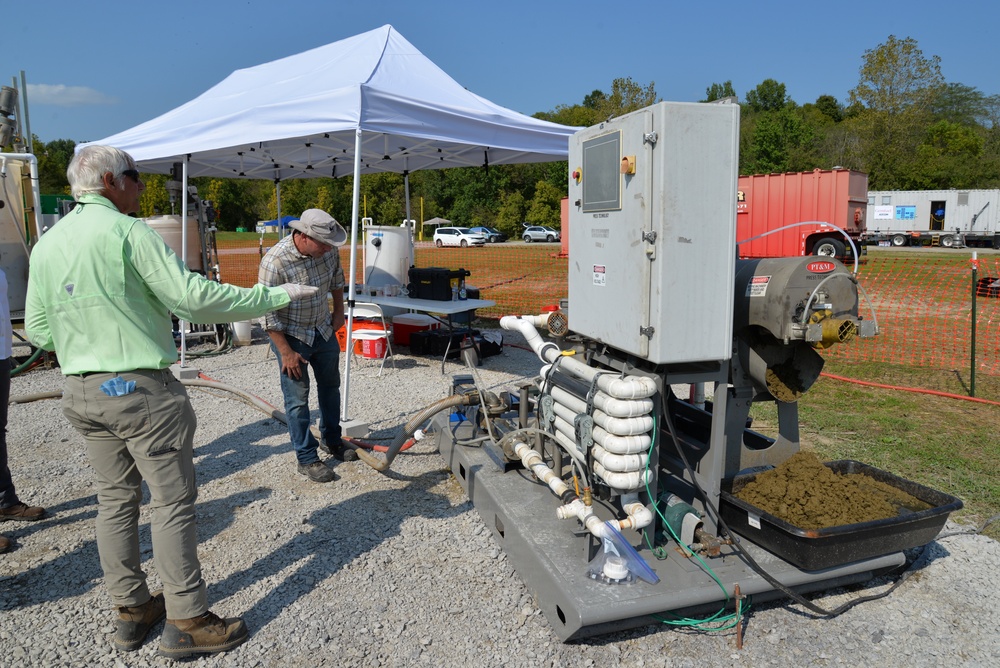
(95, 69)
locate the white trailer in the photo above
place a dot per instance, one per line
(948, 218)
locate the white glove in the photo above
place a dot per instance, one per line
(296, 291)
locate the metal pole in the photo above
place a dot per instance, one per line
(975, 281)
(409, 216)
(277, 200)
(181, 325)
(355, 199)
(27, 121)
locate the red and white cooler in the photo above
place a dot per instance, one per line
(405, 324)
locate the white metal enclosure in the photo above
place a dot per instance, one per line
(652, 227)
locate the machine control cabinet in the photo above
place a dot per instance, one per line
(652, 228)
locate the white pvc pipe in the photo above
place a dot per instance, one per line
(639, 515)
(618, 463)
(546, 350)
(631, 480)
(623, 426)
(586, 515)
(616, 408)
(617, 426)
(534, 463)
(613, 443)
(630, 387)
(622, 480)
(622, 445)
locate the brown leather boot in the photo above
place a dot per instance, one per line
(205, 634)
(21, 512)
(4, 544)
(133, 623)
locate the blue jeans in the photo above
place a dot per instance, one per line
(324, 358)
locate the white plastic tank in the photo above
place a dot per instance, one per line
(388, 255)
(169, 227)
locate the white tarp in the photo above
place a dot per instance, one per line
(296, 118)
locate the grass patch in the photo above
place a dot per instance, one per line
(945, 443)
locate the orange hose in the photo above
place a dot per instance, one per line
(918, 390)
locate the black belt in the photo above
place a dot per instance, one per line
(94, 373)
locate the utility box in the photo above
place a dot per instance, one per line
(768, 202)
(652, 208)
(13, 235)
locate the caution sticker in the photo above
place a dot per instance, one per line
(757, 287)
(600, 275)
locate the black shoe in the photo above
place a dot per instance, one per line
(133, 623)
(346, 454)
(341, 451)
(317, 472)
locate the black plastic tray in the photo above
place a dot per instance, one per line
(817, 549)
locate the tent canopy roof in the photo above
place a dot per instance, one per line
(297, 117)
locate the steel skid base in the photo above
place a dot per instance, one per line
(551, 556)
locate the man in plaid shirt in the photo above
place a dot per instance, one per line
(303, 334)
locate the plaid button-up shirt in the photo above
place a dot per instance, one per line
(302, 318)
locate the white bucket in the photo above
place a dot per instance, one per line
(241, 333)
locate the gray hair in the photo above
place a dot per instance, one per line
(87, 168)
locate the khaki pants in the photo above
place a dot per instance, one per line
(145, 435)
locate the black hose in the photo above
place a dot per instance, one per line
(27, 364)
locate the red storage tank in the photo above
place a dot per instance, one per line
(771, 201)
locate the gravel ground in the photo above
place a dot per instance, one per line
(398, 569)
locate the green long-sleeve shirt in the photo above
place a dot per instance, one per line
(102, 286)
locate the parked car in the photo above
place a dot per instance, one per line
(539, 233)
(492, 235)
(457, 236)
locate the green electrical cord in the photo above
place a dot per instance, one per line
(727, 620)
(27, 364)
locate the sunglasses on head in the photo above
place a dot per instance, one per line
(132, 174)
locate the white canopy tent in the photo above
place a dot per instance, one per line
(366, 104)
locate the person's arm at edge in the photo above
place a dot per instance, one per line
(191, 296)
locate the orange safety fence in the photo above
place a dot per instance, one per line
(520, 278)
(923, 305)
(922, 302)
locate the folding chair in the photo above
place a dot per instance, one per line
(372, 313)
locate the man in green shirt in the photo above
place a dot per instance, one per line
(101, 290)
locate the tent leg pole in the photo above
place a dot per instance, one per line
(355, 201)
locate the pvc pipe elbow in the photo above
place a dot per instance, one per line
(639, 516)
(571, 510)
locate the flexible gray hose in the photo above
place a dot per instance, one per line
(27, 398)
(422, 416)
(373, 461)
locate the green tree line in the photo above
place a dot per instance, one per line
(903, 124)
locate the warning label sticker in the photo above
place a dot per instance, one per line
(600, 273)
(757, 287)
